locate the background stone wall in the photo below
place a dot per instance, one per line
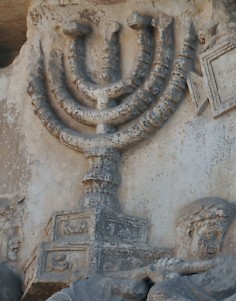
(189, 158)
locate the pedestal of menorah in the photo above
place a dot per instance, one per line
(82, 243)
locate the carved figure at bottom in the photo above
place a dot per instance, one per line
(104, 289)
(205, 277)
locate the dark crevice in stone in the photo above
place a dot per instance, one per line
(7, 57)
(12, 29)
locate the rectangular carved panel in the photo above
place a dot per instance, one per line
(122, 229)
(72, 227)
(219, 69)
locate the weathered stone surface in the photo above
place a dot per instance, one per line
(102, 77)
(11, 227)
(104, 288)
(218, 67)
(85, 243)
(217, 60)
(148, 97)
(198, 92)
(204, 223)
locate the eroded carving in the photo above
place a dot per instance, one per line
(201, 233)
(200, 275)
(11, 215)
(198, 92)
(112, 243)
(109, 140)
(109, 289)
(71, 226)
(218, 66)
(217, 60)
(123, 111)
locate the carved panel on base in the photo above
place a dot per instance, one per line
(121, 259)
(83, 243)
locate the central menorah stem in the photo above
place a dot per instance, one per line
(102, 179)
(102, 128)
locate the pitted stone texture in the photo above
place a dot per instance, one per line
(217, 60)
(216, 284)
(125, 111)
(11, 227)
(218, 66)
(82, 227)
(189, 158)
(202, 276)
(85, 243)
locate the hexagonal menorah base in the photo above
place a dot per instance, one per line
(82, 243)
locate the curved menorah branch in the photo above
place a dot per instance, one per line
(79, 31)
(37, 92)
(118, 88)
(102, 149)
(111, 57)
(147, 124)
(133, 105)
(152, 119)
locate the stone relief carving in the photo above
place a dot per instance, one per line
(198, 274)
(218, 66)
(217, 61)
(11, 219)
(109, 289)
(122, 111)
(197, 91)
(142, 87)
(105, 247)
(97, 238)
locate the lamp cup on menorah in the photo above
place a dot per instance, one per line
(97, 237)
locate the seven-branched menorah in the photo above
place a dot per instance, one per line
(97, 237)
(123, 111)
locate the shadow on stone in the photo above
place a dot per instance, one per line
(7, 57)
(10, 285)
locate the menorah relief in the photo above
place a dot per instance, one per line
(122, 111)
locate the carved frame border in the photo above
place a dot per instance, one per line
(195, 82)
(43, 274)
(219, 105)
(71, 215)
